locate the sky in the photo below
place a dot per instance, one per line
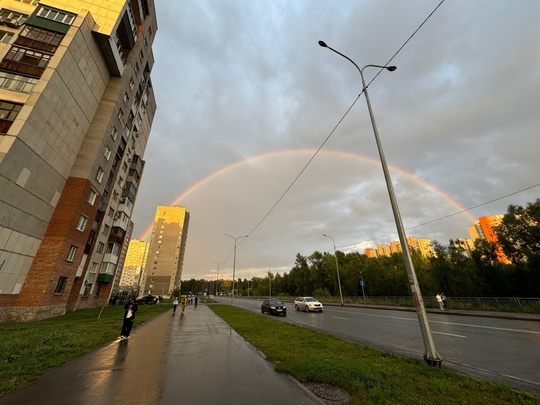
(246, 97)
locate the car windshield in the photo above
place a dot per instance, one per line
(275, 302)
(310, 299)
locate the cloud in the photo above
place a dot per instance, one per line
(236, 80)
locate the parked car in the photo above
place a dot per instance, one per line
(146, 299)
(273, 307)
(307, 304)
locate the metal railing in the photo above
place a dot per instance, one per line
(502, 304)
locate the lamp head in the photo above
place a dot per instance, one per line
(391, 68)
(323, 44)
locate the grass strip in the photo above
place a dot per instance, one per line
(369, 376)
(29, 350)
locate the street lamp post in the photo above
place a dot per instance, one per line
(217, 277)
(234, 263)
(337, 268)
(269, 281)
(430, 354)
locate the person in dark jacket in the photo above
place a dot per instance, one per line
(129, 316)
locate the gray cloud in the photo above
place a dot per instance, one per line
(239, 79)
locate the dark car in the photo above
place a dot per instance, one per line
(146, 299)
(273, 307)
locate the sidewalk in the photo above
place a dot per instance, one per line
(190, 358)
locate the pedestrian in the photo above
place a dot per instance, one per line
(196, 301)
(443, 297)
(440, 301)
(129, 316)
(183, 303)
(175, 304)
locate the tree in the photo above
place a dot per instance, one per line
(519, 233)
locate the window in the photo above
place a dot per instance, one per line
(113, 248)
(131, 83)
(12, 19)
(5, 37)
(120, 181)
(120, 114)
(56, 15)
(111, 212)
(107, 153)
(114, 133)
(92, 197)
(82, 223)
(42, 35)
(95, 268)
(126, 98)
(99, 175)
(9, 111)
(71, 254)
(100, 247)
(60, 285)
(124, 167)
(136, 68)
(98, 290)
(115, 195)
(28, 57)
(87, 289)
(106, 229)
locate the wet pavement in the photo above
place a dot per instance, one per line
(190, 358)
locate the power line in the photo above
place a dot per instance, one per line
(336, 126)
(449, 215)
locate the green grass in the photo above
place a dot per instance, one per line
(31, 349)
(368, 375)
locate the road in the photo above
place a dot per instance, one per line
(497, 350)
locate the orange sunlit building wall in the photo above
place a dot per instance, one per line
(484, 228)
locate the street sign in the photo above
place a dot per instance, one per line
(362, 283)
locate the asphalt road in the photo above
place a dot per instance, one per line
(492, 349)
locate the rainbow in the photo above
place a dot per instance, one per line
(311, 152)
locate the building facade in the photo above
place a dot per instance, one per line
(163, 271)
(76, 108)
(134, 265)
(484, 228)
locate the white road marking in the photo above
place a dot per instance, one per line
(448, 334)
(446, 323)
(337, 317)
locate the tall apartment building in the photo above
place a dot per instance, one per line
(421, 245)
(484, 228)
(165, 261)
(76, 107)
(134, 265)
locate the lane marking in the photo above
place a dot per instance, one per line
(443, 323)
(448, 334)
(337, 317)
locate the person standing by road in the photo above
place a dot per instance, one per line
(443, 298)
(440, 301)
(129, 316)
(196, 301)
(175, 304)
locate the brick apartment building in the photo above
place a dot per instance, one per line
(76, 108)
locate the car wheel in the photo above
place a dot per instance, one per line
(284, 313)
(296, 307)
(306, 308)
(262, 311)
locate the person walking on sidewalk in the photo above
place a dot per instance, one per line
(129, 316)
(443, 298)
(183, 303)
(196, 301)
(174, 304)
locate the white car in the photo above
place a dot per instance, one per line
(307, 304)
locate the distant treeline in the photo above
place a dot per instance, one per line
(452, 270)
